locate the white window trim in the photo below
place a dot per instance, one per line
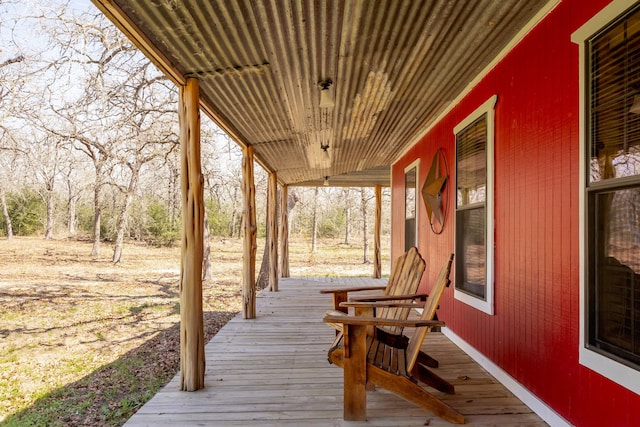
(488, 108)
(609, 368)
(414, 164)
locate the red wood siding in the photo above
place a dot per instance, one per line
(533, 335)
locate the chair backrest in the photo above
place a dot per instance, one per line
(404, 280)
(415, 342)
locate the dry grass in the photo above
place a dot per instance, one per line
(86, 342)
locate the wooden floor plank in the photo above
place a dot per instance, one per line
(273, 371)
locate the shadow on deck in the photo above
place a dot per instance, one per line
(273, 371)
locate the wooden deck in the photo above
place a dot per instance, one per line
(273, 371)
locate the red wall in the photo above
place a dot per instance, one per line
(533, 335)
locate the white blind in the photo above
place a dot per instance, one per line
(615, 101)
(471, 164)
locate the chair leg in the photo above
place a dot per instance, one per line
(355, 372)
(413, 393)
(427, 360)
(432, 379)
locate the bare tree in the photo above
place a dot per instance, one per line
(10, 85)
(263, 276)
(347, 214)
(113, 120)
(147, 133)
(364, 202)
(45, 154)
(7, 165)
(71, 174)
(5, 214)
(314, 226)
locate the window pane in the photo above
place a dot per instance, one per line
(471, 163)
(615, 289)
(470, 251)
(410, 193)
(615, 101)
(409, 234)
(410, 180)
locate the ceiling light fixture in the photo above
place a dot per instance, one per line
(326, 94)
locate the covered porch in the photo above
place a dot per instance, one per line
(273, 371)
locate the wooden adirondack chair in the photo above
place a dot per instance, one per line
(367, 360)
(402, 285)
(403, 282)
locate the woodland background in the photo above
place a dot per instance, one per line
(90, 200)
(89, 144)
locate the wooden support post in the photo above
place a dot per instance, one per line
(355, 372)
(284, 232)
(377, 264)
(272, 235)
(192, 360)
(250, 229)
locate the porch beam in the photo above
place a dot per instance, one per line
(272, 234)
(284, 231)
(250, 229)
(377, 265)
(192, 360)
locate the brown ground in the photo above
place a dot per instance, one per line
(86, 342)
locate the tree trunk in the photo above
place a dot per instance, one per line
(287, 203)
(268, 275)
(72, 219)
(314, 231)
(377, 265)
(48, 229)
(121, 225)
(347, 214)
(234, 229)
(284, 232)
(263, 276)
(119, 243)
(206, 257)
(95, 250)
(174, 195)
(272, 226)
(363, 207)
(5, 213)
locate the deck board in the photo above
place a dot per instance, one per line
(273, 371)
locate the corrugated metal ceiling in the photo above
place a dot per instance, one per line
(393, 67)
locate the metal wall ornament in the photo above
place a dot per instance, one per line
(432, 191)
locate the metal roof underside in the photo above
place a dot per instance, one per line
(394, 67)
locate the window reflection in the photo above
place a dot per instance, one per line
(624, 228)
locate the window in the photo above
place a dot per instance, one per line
(474, 208)
(613, 190)
(610, 195)
(410, 211)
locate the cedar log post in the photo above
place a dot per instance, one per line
(272, 235)
(192, 360)
(377, 265)
(250, 229)
(284, 231)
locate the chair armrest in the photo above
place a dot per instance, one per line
(341, 294)
(375, 321)
(382, 304)
(355, 289)
(374, 298)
